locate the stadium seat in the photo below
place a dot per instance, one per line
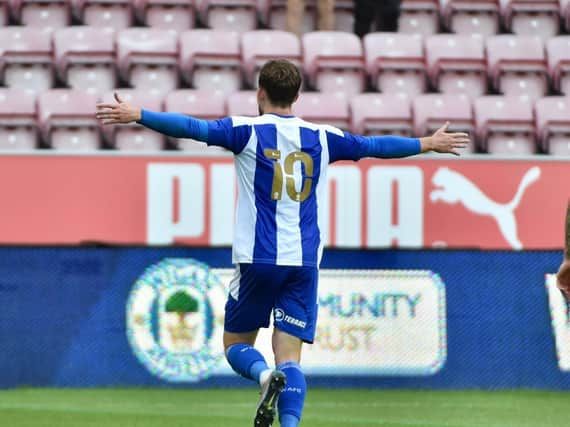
(375, 114)
(323, 108)
(277, 15)
(4, 12)
(558, 54)
(18, 129)
(420, 17)
(116, 14)
(471, 17)
(433, 110)
(243, 103)
(456, 64)
(552, 116)
(333, 62)
(531, 17)
(67, 121)
(517, 65)
(85, 58)
(26, 58)
(565, 13)
(395, 63)
(210, 60)
(196, 103)
(505, 125)
(259, 46)
(344, 15)
(229, 15)
(147, 58)
(133, 137)
(47, 14)
(176, 15)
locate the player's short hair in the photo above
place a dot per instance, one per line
(281, 80)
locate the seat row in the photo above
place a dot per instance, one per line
(94, 60)
(426, 17)
(64, 119)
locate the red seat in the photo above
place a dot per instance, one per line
(26, 58)
(196, 103)
(67, 120)
(457, 64)
(375, 114)
(210, 60)
(532, 17)
(558, 54)
(243, 103)
(116, 14)
(229, 15)
(133, 137)
(176, 15)
(18, 129)
(517, 65)
(433, 110)
(419, 17)
(259, 46)
(147, 58)
(334, 62)
(505, 125)
(85, 58)
(42, 13)
(471, 17)
(395, 63)
(553, 124)
(323, 108)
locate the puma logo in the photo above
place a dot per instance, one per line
(452, 187)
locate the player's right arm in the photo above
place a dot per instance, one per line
(221, 132)
(564, 270)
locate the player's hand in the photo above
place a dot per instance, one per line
(111, 114)
(563, 277)
(445, 142)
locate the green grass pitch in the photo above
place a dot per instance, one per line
(233, 408)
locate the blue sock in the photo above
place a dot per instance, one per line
(292, 398)
(246, 361)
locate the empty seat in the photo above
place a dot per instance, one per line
(177, 15)
(433, 110)
(531, 17)
(457, 64)
(274, 15)
(26, 58)
(517, 65)
(553, 124)
(395, 63)
(323, 108)
(196, 103)
(419, 17)
(85, 58)
(133, 137)
(229, 15)
(505, 125)
(375, 114)
(18, 129)
(471, 17)
(333, 62)
(116, 14)
(259, 46)
(49, 14)
(147, 58)
(210, 60)
(243, 103)
(67, 120)
(558, 54)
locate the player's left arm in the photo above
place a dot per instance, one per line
(564, 270)
(213, 132)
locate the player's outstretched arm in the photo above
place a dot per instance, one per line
(564, 270)
(443, 141)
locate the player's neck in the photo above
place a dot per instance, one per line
(280, 111)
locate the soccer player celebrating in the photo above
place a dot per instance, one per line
(564, 270)
(281, 163)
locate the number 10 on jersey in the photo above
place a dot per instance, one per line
(289, 166)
